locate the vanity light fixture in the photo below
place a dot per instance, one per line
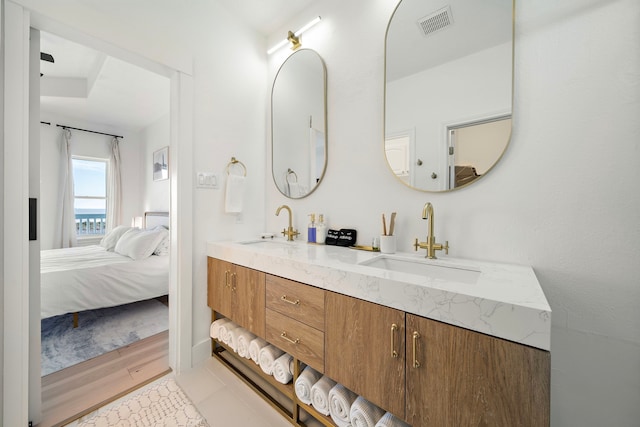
(294, 38)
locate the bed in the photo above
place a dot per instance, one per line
(118, 271)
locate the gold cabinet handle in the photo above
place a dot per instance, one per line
(226, 278)
(394, 328)
(416, 335)
(284, 298)
(284, 335)
(234, 281)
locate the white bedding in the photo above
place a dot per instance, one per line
(90, 277)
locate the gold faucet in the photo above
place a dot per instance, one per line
(289, 232)
(430, 245)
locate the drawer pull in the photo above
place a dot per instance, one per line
(416, 335)
(284, 335)
(234, 281)
(284, 298)
(394, 328)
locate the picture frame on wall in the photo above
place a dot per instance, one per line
(161, 164)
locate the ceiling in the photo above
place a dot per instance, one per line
(89, 86)
(92, 87)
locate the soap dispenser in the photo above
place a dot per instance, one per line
(311, 229)
(321, 230)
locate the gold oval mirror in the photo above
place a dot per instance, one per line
(299, 124)
(448, 90)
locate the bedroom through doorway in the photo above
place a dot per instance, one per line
(105, 322)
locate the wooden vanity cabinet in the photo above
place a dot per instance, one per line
(463, 378)
(424, 371)
(238, 293)
(365, 352)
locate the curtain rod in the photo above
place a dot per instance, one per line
(90, 131)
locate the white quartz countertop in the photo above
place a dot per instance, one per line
(501, 300)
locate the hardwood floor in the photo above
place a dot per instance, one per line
(73, 392)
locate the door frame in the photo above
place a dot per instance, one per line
(17, 22)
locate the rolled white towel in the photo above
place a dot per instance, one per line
(233, 335)
(225, 331)
(305, 381)
(214, 331)
(244, 339)
(364, 413)
(390, 420)
(281, 371)
(255, 346)
(267, 358)
(340, 401)
(320, 394)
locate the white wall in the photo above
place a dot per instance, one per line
(89, 145)
(564, 199)
(156, 193)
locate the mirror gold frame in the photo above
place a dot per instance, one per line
(299, 124)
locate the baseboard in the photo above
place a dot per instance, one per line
(201, 352)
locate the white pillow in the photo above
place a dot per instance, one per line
(165, 243)
(138, 244)
(111, 238)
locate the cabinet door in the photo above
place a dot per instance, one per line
(359, 341)
(466, 378)
(219, 286)
(248, 299)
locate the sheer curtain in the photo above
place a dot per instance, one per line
(65, 236)
(114, 187)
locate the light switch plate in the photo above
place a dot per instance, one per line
(206, 180)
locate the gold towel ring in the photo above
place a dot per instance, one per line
(289, 173)
(233, 162)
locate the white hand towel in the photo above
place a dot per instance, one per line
(320, 394)
(340, 401)
(214, 331)
(281, 371)
(233, 337)
(307, 378)
(244, 339)
(364, 413)
(389, 420)
(267, 358)
(234, 195)
(255, 346)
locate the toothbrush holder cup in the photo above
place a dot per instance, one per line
(388, 244)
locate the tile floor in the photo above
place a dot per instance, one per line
(222, 398)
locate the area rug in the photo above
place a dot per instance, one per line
(161, 404)
(99, 332)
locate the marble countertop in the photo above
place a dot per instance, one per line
(503, 300)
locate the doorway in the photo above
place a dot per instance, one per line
(474, 147)
(17, 295)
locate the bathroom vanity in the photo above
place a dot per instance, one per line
(443, 342)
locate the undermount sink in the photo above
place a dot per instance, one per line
(424, 268)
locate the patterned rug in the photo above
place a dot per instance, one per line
(161, 404)
(99, 332)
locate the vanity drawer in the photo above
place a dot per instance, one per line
(301, 341)
(296, 300)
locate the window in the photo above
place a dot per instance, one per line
(90, 195)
